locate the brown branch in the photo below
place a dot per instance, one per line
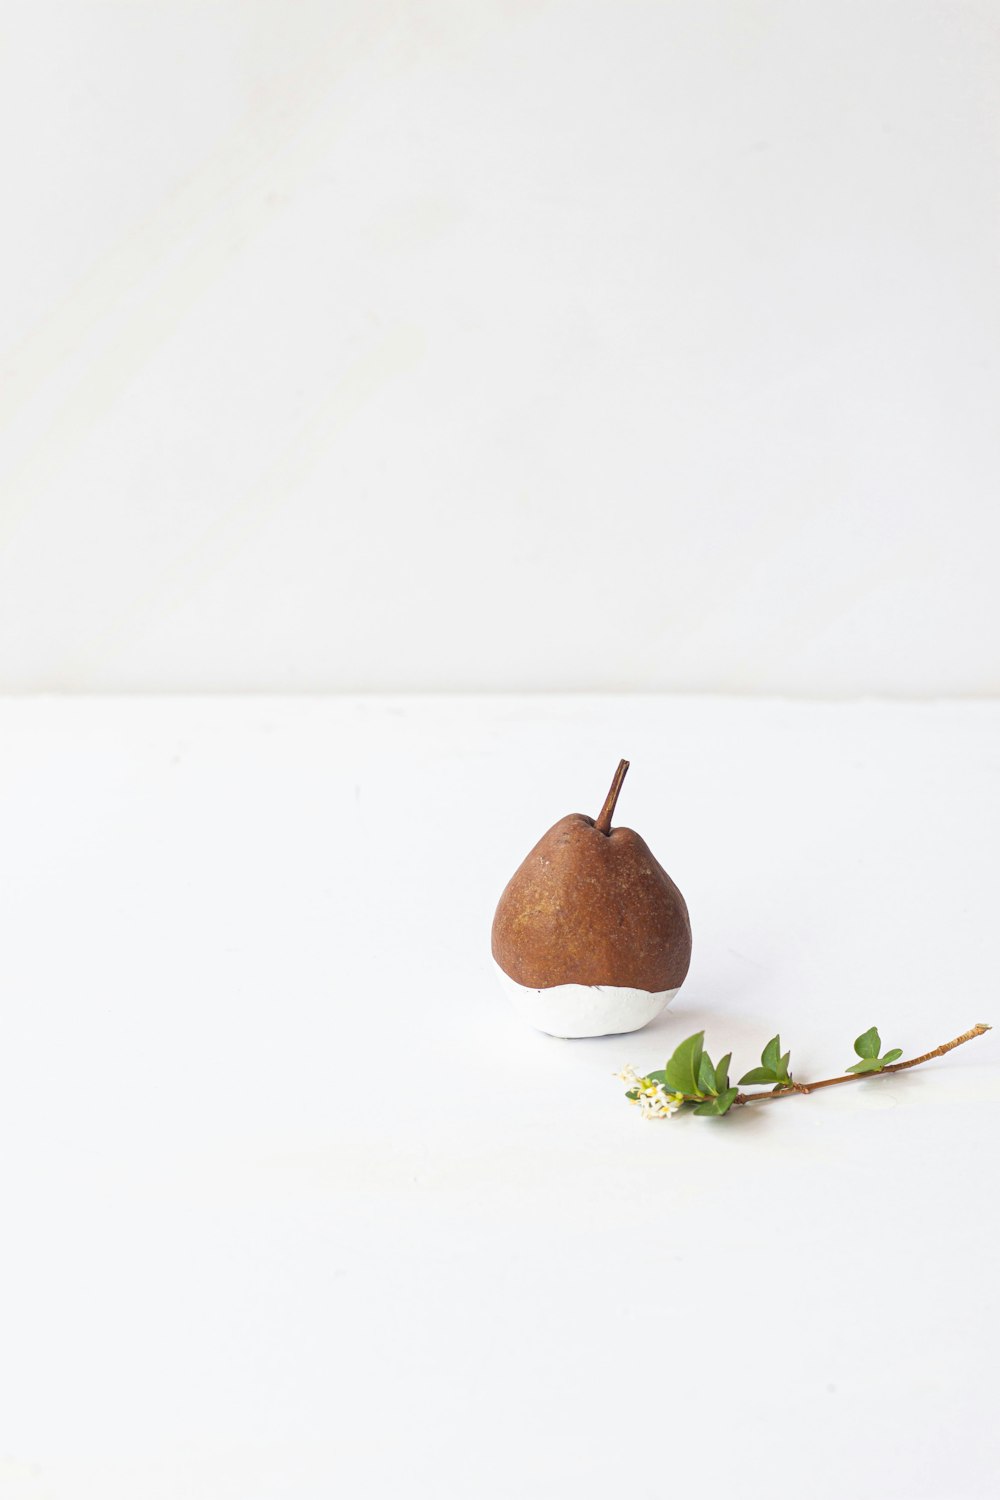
(825, 1083)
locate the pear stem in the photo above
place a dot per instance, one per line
(603, 821)
(825, 1083)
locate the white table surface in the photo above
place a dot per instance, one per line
(293, 1204)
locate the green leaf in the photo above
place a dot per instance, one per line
(718, 1106)
(866, 1065)
(658, 1076)
(771, 1055)
(759, 1075)
(783, 1068)
(682, 1070)
(722, 1072)
(868, 1045)
(706, 1075)
(891, 1056)
(632, 1094)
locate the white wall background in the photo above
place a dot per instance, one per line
(356, 344)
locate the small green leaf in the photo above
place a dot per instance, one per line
(722, 1072)
(681, 1071)
(632, 1094)
(759, 1075)
(658, 1076)
(783, 1068)
(891, 1056)
(868, 1045)
(706, 1075)
(719, 1106)
(867, 1065)
(771, 1055)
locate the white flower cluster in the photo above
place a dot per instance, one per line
(652, 1098)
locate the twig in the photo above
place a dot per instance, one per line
(825, 1083)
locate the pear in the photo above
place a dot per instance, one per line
(591, 936)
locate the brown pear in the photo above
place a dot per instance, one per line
(590, 905)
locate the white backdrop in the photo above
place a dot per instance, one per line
(500, 344)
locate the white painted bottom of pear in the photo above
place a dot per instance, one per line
(569, 1010)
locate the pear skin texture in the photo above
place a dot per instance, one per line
(591, 908)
